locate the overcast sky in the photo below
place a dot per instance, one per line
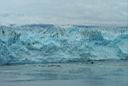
(64, 11)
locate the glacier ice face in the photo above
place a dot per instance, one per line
(50, 43)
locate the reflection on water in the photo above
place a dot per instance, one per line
(99, 73)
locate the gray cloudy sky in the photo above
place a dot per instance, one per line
(64, 11)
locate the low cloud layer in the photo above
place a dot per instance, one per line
(64, 11)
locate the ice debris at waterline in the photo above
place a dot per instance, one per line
(52, 43)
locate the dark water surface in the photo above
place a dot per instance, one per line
(101, 73)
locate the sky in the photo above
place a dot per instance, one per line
(64, 11)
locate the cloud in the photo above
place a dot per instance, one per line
(64, 11)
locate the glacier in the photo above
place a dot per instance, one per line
(47, 43)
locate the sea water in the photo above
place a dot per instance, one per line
(106, 73)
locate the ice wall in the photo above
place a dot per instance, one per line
(51, 43)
